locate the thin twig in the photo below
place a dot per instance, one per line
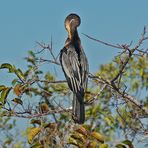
(46, 81)
(105, 43)
(96, 96)
(21, 115)
(50, 61)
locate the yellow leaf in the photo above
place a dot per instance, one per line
(44, 107)
(82, 130)
(75, 142)
(79, 137)
(50, 125)
(31, 133)
(98, 136)
(92, 144)
(108, 121)
(35, 121)
(18, 89)
(103, 146)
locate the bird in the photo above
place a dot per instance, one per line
(74, 64)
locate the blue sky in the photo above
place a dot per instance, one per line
(22, 23)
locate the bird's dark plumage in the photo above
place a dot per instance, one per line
(74, 64)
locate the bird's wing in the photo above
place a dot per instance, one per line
(71, 67)
(84, 68)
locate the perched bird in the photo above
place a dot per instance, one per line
(75, 66)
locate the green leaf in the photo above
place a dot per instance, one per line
(8, 66)
(129, 143)
(49, 77)
(14, 81)
(4, 94)
(124, 144)
(18, 101)
(120, 145)
(20, 74)
(2, 87)
(31, 53)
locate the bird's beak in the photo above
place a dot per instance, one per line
(71, 22)
(70, 28)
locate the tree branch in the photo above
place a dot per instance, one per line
(122, 93)
(21, 114)
(105, 43)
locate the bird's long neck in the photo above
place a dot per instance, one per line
(73, 35)
(73, 38)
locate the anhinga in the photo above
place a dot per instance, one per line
(74, 64)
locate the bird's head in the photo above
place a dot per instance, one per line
(72, 21)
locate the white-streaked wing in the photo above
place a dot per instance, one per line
(85, 68)
(71, 66)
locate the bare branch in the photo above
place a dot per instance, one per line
(123, 65)
(58, 81)
(130, 53)
(123, 94)
(96, 96)
(105, 43)
(49, 48)
(50, 61)
(21, 114)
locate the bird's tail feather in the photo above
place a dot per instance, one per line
(78, 109)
